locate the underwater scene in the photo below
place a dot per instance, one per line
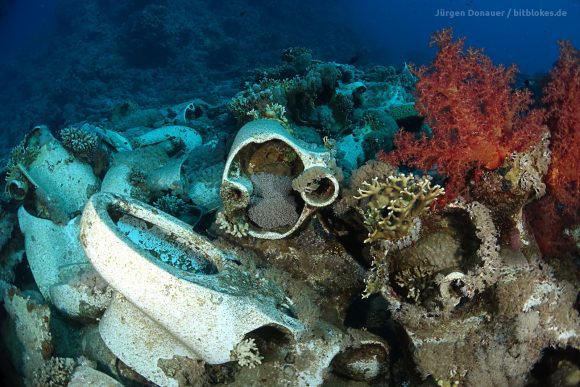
(289, 193)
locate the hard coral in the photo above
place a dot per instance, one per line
(393, 206)
(79, 141)
(272, 206)
(476, 117)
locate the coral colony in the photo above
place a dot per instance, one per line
(327, 225)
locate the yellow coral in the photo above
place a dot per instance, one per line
(392, 206)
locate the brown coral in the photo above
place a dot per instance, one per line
(392, 207)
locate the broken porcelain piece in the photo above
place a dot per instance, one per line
(60, 267)
(350, 89)
(140, 341)
(189, 137)
(214, 304)
(17, 188)
(111, 137)
(133, 174)
(118, 181)
(354, 354)
(49, 247)
(170, 177)
(187, 112)
(81, 293)
(62, 183)
(265, 147)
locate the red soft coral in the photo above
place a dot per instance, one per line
(476, 117)
(562, 100)
(558, 210)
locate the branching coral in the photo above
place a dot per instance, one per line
(259, 102)
(235, 227)
(476, 117)
(79, 141)
(273, 111)
(22, 154)
(246, 353)
(392, 207)
(365, 172)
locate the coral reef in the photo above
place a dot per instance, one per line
(259, 239)
(477, 118)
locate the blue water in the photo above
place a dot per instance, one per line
(399, 31)
(64, 60)
(386, 30)
(24, 22)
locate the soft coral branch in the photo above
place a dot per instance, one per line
(476, 117)
(562, 100)
(558, 210)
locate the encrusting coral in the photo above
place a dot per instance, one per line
(527, 169)
(392, 207)
(272, 206)
(309, 181)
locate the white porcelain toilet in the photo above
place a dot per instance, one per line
(177, 293)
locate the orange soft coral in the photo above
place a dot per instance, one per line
(476, 117)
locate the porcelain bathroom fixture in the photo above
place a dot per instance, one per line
(62, 184)
(265, 148)
(180, 287)
(60, 267)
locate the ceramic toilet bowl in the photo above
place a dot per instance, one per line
(178, 280)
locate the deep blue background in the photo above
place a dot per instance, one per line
(387, 31)
(65, 61)
(399, 30)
